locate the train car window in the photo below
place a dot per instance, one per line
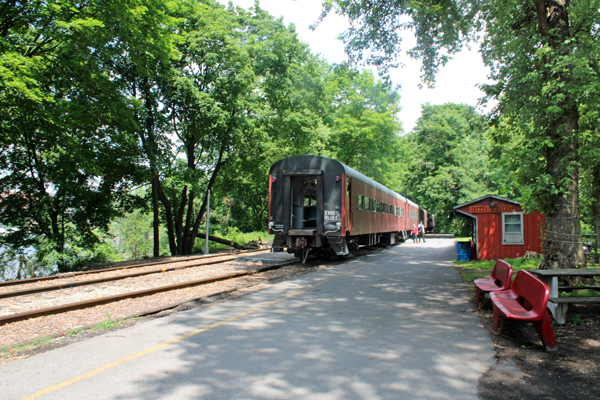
(309, 192)
(360, 202)
(393, 210)
(384, 208)
(373, 205)
(367, 204)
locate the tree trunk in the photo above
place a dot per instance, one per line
(596, 250)
(596, 208)
(216, 239)
(191, 234)
(563, 247)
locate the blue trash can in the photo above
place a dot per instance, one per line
(464, 251)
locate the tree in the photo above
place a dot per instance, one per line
(449, 160)
(66, 162)
(362, 119)
(132, 233)
(295, 128)
(231, 82)
(543, 57)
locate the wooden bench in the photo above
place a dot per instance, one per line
(526, 300)
(500, 280)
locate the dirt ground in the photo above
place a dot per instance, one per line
(570, 372)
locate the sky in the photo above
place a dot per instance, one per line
(456, 82)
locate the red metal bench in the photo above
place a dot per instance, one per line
(526, 300)
(500, 280)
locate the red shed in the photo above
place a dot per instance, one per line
(501, 229)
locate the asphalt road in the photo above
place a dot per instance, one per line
(396, 324)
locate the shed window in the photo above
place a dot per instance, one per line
(360, 203)
(512, 228)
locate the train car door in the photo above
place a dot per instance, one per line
(305, 209)
(347, 208)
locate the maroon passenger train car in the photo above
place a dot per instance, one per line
(321, 205)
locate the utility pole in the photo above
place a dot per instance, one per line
(207, 222)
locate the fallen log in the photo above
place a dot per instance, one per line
(217, 239)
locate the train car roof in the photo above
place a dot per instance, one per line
(352, 173)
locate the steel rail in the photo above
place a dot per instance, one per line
(140, 293)
(97, 271)
(25, 292)
(146, 312)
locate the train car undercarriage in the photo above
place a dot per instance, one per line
(303, 243)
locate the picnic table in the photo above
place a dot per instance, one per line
(558, 305)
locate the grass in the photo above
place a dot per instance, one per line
(21, 348)
(34, 344)
(580, 293)
(74, 332)
(471, 270)
(107, 324)
(517, 264)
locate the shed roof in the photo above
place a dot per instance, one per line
(486, 197)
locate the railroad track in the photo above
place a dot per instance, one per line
(98, 271)
(67, 285)
(6, 319)
(48, 318)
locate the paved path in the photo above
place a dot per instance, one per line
(396, 324)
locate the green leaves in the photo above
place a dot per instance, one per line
(363, 123)
(448, 160)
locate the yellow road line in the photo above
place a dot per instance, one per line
(180, 338)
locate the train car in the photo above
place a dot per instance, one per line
(322, 206)
(430, 223)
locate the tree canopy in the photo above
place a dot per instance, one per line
(182, 97)
(448, 159)
(543, 57)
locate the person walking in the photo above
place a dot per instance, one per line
(421, 228)
(415, 232)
